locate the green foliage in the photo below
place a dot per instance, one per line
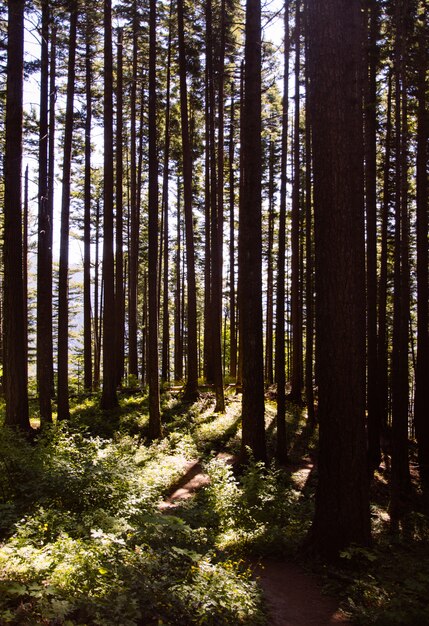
(84, 542)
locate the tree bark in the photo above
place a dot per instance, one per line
(119, 260)
(191, 391)
(335, 58)
(63, 280)
(153, 374)
(44, 242)
(109, 398)
(250, 244)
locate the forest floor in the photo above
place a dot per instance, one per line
(292, 596)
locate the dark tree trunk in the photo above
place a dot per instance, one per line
(153, 374)
(51, 180)
(250, 244)
(119, 265)
(15, 373)
(280, 357)
(421, 400)
(97, 306)
(335, 59)
(232, 297)
(87, 333)
(44, 242)
(134, 235)
(296, 306)
(63, 280)
(108, 398)
(269, 332)
(400, 479)
(178, 342)
(165, 367)
(382, 337)
(191, 391)
(309, 250)
(370, 118)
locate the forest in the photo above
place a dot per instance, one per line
(214, 312)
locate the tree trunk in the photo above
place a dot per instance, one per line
(191, 391)
(296, 308)
(232, 297)
(15, 373)
(63, 280)
(400, 479)
(87, 333)
(250, 244)
(153, 374)
(134, 234)
(421, 406)
(178, 343)
(269, 332)
(370, 118)
(108, 398)
(280, 357)
(119, 265)
(44, 242)
(335, 58)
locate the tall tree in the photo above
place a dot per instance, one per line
(421, 408)
(87, 332)
(296, 301)
(119, 259)
(63, 279)
(280, 357)
(108, 397)
(232, 296)
(15, 365)
(191, 391)
(250, 243)
(153, 373)
(400, 478)
(335, 57)
(44, 241)
(370, 118)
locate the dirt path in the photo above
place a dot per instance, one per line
(292, 596)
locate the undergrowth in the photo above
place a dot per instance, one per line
(83, 541)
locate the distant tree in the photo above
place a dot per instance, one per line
(119, 258)
(250, 244)
(335, 57)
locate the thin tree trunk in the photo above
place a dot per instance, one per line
(400, 479)
(165, 367)
(119, 268)
(134, 236)
(87, 334)
(192, 346)
(63, 280)
(370, 118)
(44, 241)
(97, 307)
(178, 344)
(269, 332)
(153, 374)
(296, 307)
(280, 357)
(421, 407)
(108, 398)
(232, 297)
